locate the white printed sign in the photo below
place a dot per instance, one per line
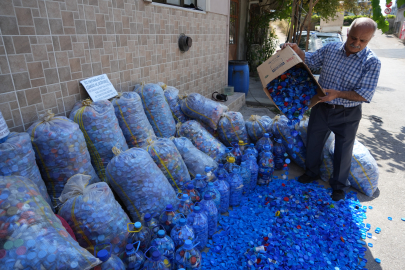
(99, 88)
(4, 131)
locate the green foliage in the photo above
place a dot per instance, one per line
(349, 19)
(389, 16)
(316, 20)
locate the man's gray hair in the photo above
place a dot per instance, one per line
(364, 22)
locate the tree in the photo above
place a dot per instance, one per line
(379, 18)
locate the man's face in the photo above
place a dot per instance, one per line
(358, 38)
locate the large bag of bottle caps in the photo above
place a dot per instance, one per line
(232, 128)
(364, 172)
(210, 130)
(139, 183)
(302, 128)
(291, 140)
(101, 130)
(93, 214)
(257, 125)
(132, 119)
(31, 236)
(167, 157)
(326, 169)
(157, 110)
(18, 158)
(201, 139)
(206, 110)
(172, 97)
(61, 151)
(195, 160)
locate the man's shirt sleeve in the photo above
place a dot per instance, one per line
(369, 80)
(314, 60)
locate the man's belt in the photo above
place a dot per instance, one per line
(332, 106)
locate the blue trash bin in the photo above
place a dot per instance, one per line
(238, 75)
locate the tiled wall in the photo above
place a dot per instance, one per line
(47, 47)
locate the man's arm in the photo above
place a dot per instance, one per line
(331, 94)
(296, 49)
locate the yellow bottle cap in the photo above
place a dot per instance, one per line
(231, 159)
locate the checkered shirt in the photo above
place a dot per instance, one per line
(357, 72)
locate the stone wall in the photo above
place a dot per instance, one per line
(47, 47)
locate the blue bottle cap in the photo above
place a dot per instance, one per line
(169, 208)
(210, 184)
(207, 169)
(243, 163)
(129, 247)
(198, 176)
(252, 145)
(221, 177)
(147, 217)
(182, 222)
(197, 209)
(377, 260)
(266, 148)
(188, 244)
(161, 233)
(227, 150)
(267, 154)
(235, 170)
(266, 135)
(190, 186)
(184, 197)
(207, 197)
(103, 255)
(138, 225)
(156, 256)
(220, 166)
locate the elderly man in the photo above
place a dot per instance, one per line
(349, 77)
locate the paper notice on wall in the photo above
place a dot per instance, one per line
(99, 88)
(4, 131)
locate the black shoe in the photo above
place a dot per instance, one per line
(338, 195)
(306, 179)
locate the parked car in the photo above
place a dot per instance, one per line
(324, 37)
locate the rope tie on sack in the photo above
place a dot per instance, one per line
(47, 116)
(116, 151)
(87, 102)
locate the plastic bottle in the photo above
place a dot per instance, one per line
(254, 169)
(254, 150)
(236, 187)
(246, 175)
(266, 169)
(133, 258)
(230, 165)
(164, 244)
(188, 257)
(168, 218)
(152, 223)
(141, 234)
(181, 232)
(227, 154)
(278, 151)
(199, 183)
(157, 262)
(209, 175)
(198, 220)
(242, 146)
(265, 140)
(192, 193)
(210, 209)
(237, 153)
(110, 261)
(247, 152)
(266, 149)
(184, 204)
(224, 189)
(221, 170)
(215, 194)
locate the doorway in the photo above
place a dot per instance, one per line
(233, 29)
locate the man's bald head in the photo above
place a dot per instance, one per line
(364, 24)
(360, 33)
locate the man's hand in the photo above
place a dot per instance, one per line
(331, 94)
(296, 49)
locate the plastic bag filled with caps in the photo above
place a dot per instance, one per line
(302, 127)
(93, 214)
(132, 119)
(326, 169)
(101, 130)
(202, 139)
(232, 128)
(257, 125)
(364, 172)
(172, 97)
(157, 110)
(167, 157)
(18, 158)
(139, 183)
(61, 152)
(195, 160)
(291, 139)
(35, 238)
(210, 130)
(196, 106)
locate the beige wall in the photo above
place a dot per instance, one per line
(47, 47)
(218, 6)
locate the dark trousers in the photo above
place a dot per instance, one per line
(344, 122)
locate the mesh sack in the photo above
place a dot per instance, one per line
(209, 129)
(93, 214)
(195, 160)
(172, 97)
(201, 108)
(132, 119)
(18, 158)
(292, 141)
(201, 139)
(61, 151)
(232, 128)
(326, 169)
(256, 126)
(162, 85)
(167, 157)
(139, 183)
(364, 172)
(157, 110)
(101, 130)
(38, 240)
(302, 127)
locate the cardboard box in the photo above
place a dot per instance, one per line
(278, 64)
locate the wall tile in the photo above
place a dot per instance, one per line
(6, 8)
(21, 81)
(35, 70)
(17, 63)
(41, 26)
(33, 96)
(8, 25)
(56, 26)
